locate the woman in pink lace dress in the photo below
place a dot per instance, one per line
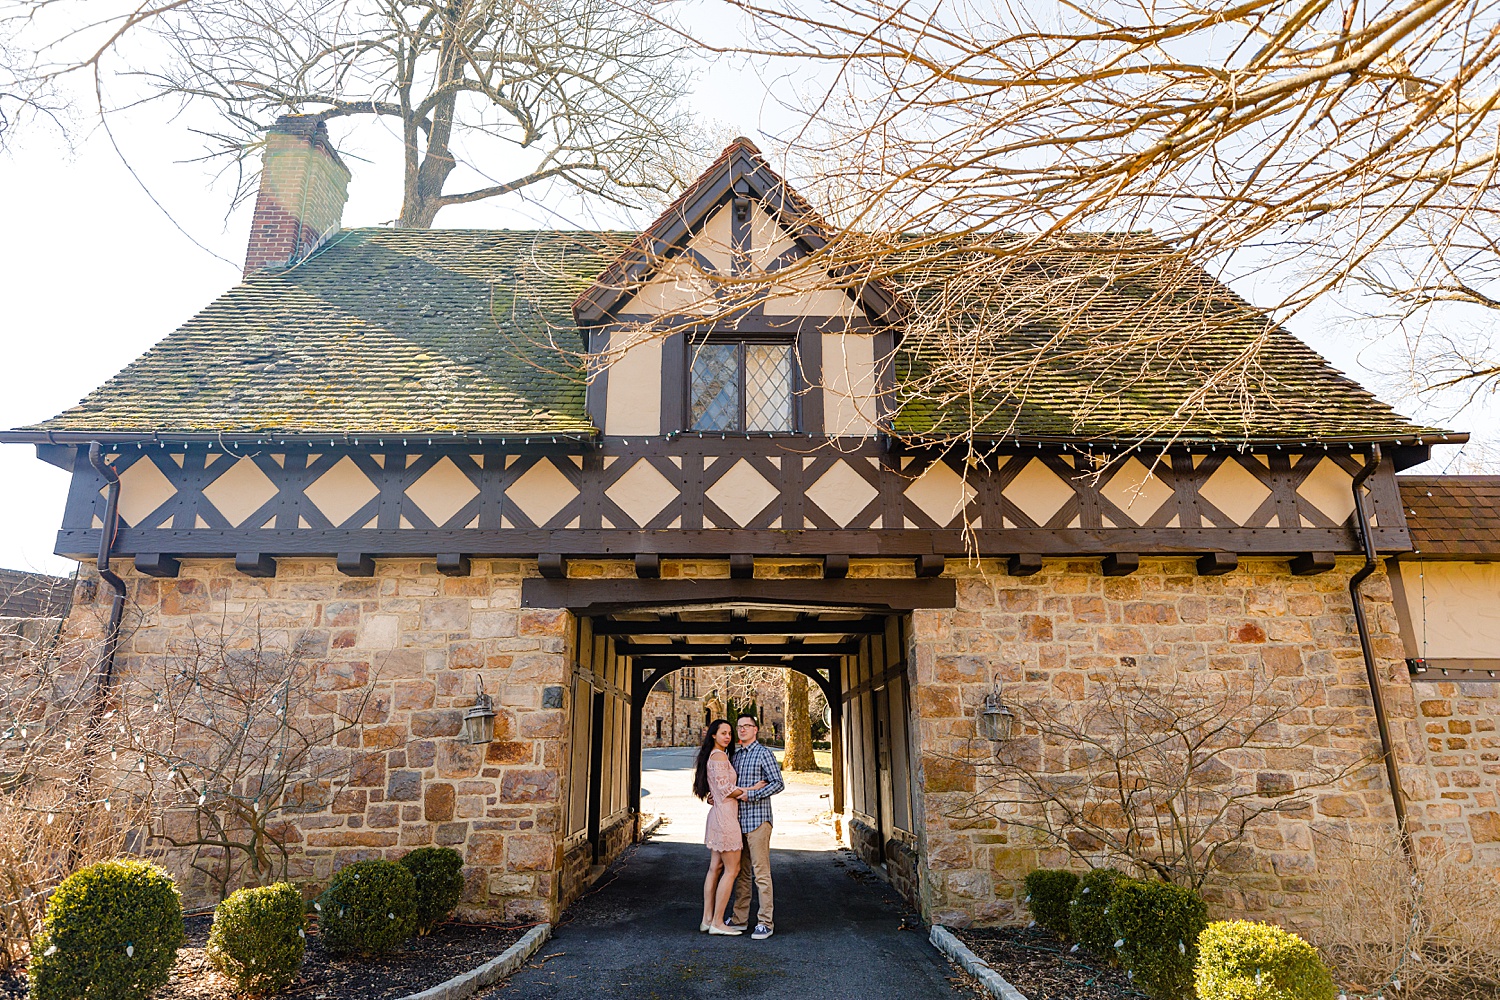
(714, 782)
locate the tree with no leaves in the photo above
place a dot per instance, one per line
(586, 93)
(1336, 148)
(1152, 771)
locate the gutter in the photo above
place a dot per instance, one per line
(1382, 723)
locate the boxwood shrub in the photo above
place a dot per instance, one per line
(1156, 926)
(368, 909)
(1049, 891)
(111, 932)
(258, 939)
(1088, 911)
(1245, 960)
(439, 872)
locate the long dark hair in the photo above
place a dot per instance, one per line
(700, 768)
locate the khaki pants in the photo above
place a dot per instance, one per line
(757, 856)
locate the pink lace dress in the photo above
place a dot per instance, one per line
(723, 833)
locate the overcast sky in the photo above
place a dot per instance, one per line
(93, 273)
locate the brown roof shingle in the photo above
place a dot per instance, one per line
(1452, 517)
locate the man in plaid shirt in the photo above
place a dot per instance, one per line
(760, 775)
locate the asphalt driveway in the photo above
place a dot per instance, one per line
(841, 934)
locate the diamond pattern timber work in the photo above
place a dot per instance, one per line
(442, 491)
(841, 493)
(143, 488)
(340, 492)
(642, 492)
(1136, 491)
(542, 492)
(1328, 488)
(1038, 492)
(1234, 490)
(941, 493)
(241, 490)
(742, 493)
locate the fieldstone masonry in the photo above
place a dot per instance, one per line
(418, 640)
(1461, 782)
(1055, 635)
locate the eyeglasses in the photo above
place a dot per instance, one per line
(748, 725)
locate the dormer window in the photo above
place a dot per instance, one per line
(741, 386)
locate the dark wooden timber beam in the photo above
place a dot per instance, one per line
(582, 543)
(453, 564)
(835, 567)
(1120, 563)
(724, 649)
(809, 663)
(648, 566)
(1217, 563)
(741, 567)
(355, 563)
(1024, 564)
(1313, 563)
(255, 564)
(552, 565)
(594, 597)
(928, 565)
(859, 626)
(1483, 670)
(157, 564)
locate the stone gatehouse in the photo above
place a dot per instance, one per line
(556, 463)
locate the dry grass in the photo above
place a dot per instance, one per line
(1387, 931)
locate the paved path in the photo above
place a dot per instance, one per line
(840, 933)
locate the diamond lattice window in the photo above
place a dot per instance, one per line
(716, 387)
(741, 387)
(768, 387)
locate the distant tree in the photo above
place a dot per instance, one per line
(799, 749)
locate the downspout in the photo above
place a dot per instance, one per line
(1382, 723)
(104, 670)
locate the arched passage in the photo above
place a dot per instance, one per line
(855, 655)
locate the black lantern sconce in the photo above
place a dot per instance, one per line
(995, 722)
(479, 721)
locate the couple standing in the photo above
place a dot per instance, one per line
(738, 782)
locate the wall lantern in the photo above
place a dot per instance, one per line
(479, 721)
(995, 721)
(738, 649)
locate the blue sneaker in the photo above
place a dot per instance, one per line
(761, 932)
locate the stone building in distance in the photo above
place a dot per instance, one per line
(550, 460)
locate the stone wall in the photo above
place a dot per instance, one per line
(414, 641)
(1461, 784)
(1055, 636)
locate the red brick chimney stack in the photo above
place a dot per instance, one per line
(303, 187)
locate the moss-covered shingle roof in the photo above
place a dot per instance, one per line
(382, 331)
(470, 332)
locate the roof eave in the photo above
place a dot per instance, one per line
(307, 438)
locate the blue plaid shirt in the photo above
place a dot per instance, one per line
(751, 764)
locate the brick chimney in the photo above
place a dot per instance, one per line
(303, 187)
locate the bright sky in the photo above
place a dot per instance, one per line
(92, 273)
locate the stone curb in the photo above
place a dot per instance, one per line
(944, 941)
(495, 969)
(652, 826)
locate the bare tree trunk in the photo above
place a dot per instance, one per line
(799, 749)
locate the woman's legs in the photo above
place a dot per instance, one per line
(710, 884)
(730, 861)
